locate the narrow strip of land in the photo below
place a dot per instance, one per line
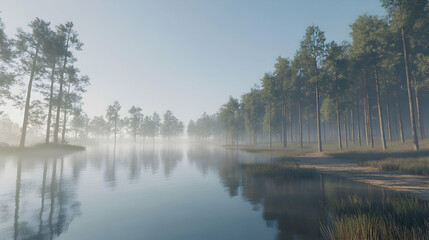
(414, 184)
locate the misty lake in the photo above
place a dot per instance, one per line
(165, 192)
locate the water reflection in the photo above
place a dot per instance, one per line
(170, 157)
(46, 196)
(34, 217)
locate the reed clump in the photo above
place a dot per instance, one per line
(397, 216)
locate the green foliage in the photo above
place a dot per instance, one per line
(253, 109)
(230, 116)
(328, 109)
(134, 121)
(171, 126)
(112, 115)
(369, 42)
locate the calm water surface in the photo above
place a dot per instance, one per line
(146, 192)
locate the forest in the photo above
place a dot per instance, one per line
(371, 90)
(51, 98)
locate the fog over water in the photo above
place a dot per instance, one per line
(163, 192)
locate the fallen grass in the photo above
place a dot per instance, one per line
(397, 216)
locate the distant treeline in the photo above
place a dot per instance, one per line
(135, 124)
(374, 87)
(45, 57)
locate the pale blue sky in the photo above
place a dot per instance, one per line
(183, 55)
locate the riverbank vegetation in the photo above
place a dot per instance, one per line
(398, 158)
(354, 217)
(367, 92)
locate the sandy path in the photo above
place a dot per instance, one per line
(417, 185)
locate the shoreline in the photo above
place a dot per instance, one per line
(43, 150)
(352, 169)
(414, 184)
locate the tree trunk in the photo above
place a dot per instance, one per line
(345, 131)
(410, 97)
(308, 128)
(401, 128)
(389, 126)
(340, 145)
(284, 136)
(353, 125)
(419, 115)
(380, 113)
(63, 133)
(319, 139)
(269, 125)
(358, 118)
(51, 99)
(300, 123)
(324, 132)
(114, 141)
(290, 125)
(60, 95)
(368, 127)
(27, 101)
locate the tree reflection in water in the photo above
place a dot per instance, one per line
(306, 206)
(52, 217)
(41, 202)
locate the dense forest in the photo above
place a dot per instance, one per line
(38, 75)
(372, 89)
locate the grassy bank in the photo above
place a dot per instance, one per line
(396, 216)
(40, 149)
(398, 157)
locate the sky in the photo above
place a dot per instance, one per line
(188, 56)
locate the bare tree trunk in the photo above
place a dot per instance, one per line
(284, 136)
(345, 131)
(63, 133)
(419, 115)
(389, 126)
(410, 97)
(60, 95)
(27, 101)
(269, 125)
(358, 118)
(401, 128)
(308, 128)
(380, 113)
(290, 126)
(319, 140)
(340, 145)
(51, 99)
(324, 132)
(353, 125)
(368, 127)
(300, 122)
